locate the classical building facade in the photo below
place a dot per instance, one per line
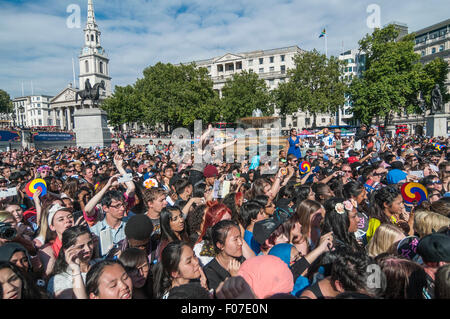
(272, 66)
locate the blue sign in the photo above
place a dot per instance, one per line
(53, 136)
(9, 136)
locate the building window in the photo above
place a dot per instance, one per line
(209, 68)
(92, 37)
(283, 69)
(250, 62)
(40, 122)
(101, 67)
(272, 68)
(323, 120)
(271, 59)
(87, 38)
(307, 121)
(220, 68)
(261, 60)
(423, 53)
(239, 65)
(261, 70)
(282, 58)
(229, 67)
(49, 122)
(271, 82)
(96, 38)
(86, 66)
(250, 70)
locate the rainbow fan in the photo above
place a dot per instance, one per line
(34, 185)
(304, 167)
(414, 192)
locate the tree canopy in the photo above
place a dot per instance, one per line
(244, 93)
(315, 85)
(393, 77)
(6, 104)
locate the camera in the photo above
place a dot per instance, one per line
(7, 231)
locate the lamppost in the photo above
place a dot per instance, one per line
(21, 109)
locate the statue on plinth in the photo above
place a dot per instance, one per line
(436, 100)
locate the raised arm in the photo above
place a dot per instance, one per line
(89, 208)
(118, 162)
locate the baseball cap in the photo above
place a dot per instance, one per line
(434, 248)
(264, 228)
(210, 171)
(395, 175)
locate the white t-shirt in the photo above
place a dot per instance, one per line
(151, 149)
(61, 282)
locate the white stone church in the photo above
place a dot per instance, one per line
(94, 65)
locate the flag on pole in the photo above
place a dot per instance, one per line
(323, 33)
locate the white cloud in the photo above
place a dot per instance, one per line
(38, 46)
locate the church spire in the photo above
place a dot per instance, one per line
(91, 16)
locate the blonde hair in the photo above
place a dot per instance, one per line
(4, 215)
(383, 239)
(425, 222)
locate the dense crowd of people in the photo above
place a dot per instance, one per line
(333, 220)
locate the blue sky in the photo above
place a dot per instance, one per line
(36, 44)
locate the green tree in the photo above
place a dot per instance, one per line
(315, 85)
(244, 93)
(436, 72)
(176, 95)
(6, 104)
(392, 79)
(123, 106)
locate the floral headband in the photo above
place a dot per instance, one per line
(348, 206)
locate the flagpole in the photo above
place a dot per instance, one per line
(326, 45)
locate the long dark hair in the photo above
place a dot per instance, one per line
(352, 189)
(377, 199)
(69, 238)
(170, 260)
(230, 202)
(338, 224)
(194, 223)
(166, 232)
(29, 290)
(219, 233)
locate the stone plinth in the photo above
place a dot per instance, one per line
(91, 128)
(437, 125)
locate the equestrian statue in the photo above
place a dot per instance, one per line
(90, 93)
